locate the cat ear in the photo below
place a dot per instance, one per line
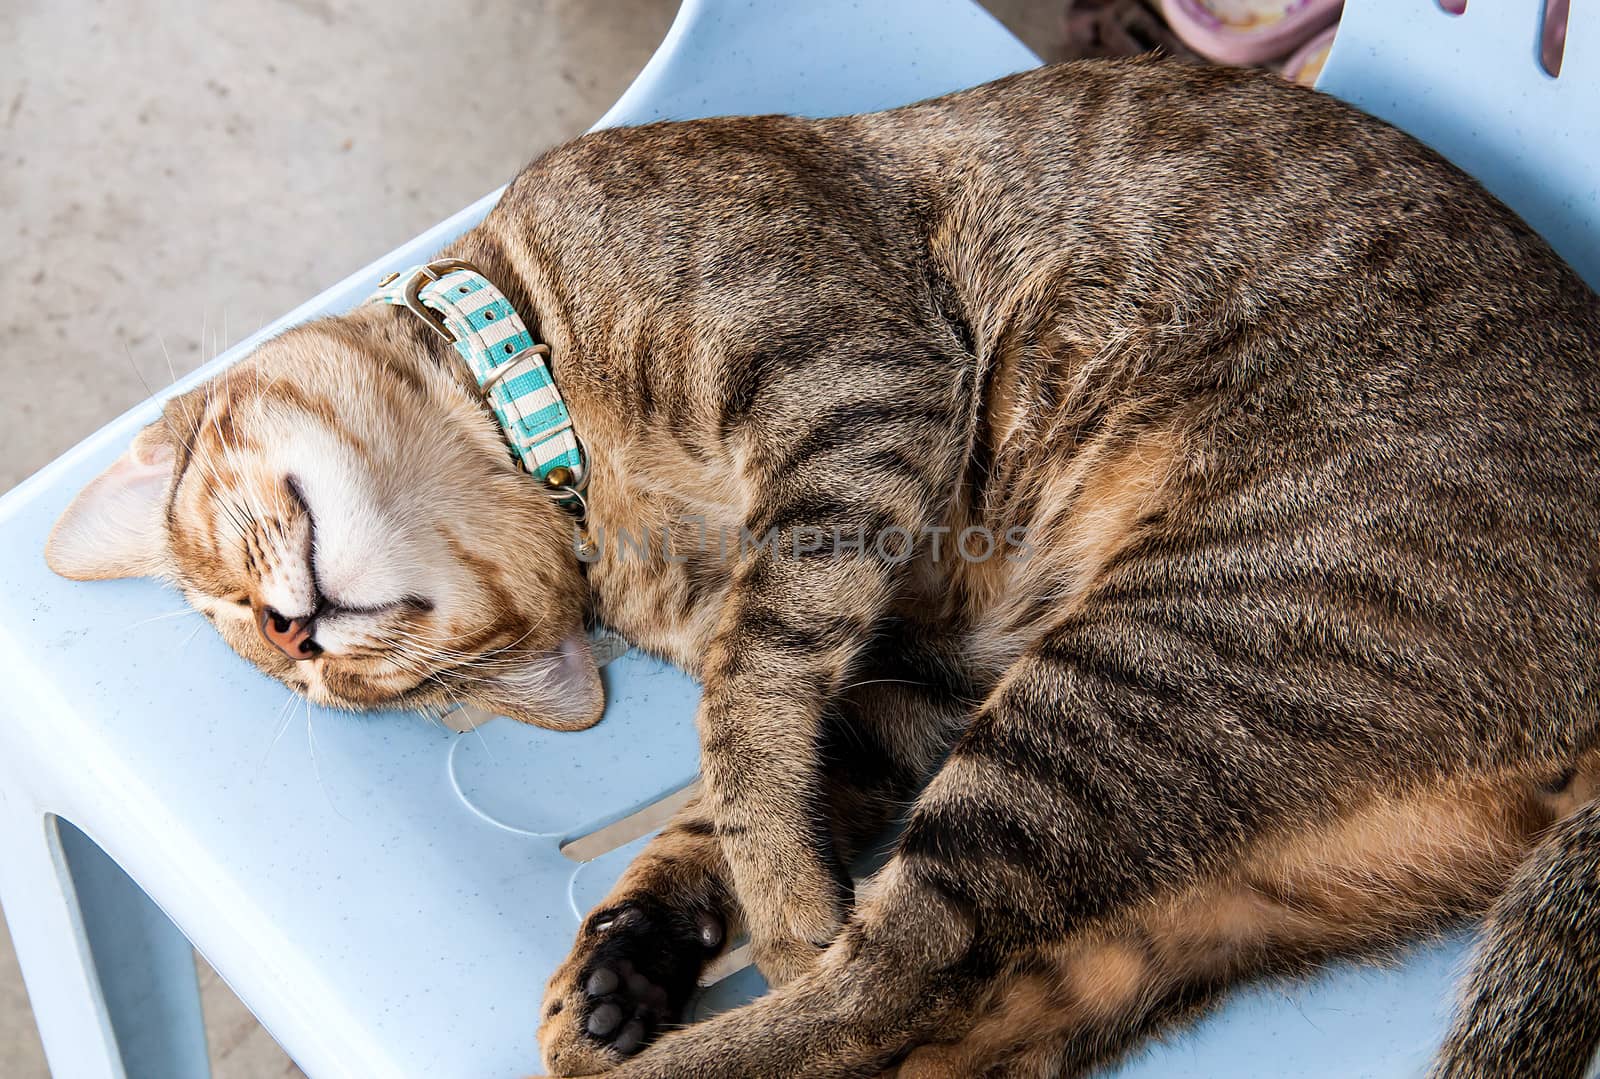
(564, 695)
(114, 527)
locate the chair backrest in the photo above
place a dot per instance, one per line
(818, 58)
(1473, 87)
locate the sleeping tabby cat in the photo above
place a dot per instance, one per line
(1285, 436)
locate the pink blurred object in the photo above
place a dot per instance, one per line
(1553, 37)
(1306, 64)
(1247, 31)
(1117, 28)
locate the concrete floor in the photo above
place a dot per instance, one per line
(168, 184)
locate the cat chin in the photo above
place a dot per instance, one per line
(558, 696)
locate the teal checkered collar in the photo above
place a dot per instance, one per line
(462, 305)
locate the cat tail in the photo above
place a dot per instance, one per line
(1531, 1005)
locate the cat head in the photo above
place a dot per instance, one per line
(342, 507)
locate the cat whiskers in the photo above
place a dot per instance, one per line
(463, 672)
(463, 669)
(127, 351)
(253, 511)
(487, 658)
(193, 633)
(434, 718)
(208, 476)
(241, 519)
(284, 717)
(438, 647)
(882, 682)
(164, 616)
(436, 668)
(172, 370)
(316, 769)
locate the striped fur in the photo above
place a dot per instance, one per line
(1528, 1010)
(1300, 431)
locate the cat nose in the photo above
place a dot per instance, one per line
(291, 636)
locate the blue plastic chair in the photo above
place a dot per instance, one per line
(1472, 87)
(389, 898)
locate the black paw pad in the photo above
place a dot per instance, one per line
(646, 959)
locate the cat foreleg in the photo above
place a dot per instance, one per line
(674, 909)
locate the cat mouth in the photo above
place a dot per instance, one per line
(296, 636)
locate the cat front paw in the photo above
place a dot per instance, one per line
(796, 929)
(629, 977)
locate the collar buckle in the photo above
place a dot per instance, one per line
(412, 296)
